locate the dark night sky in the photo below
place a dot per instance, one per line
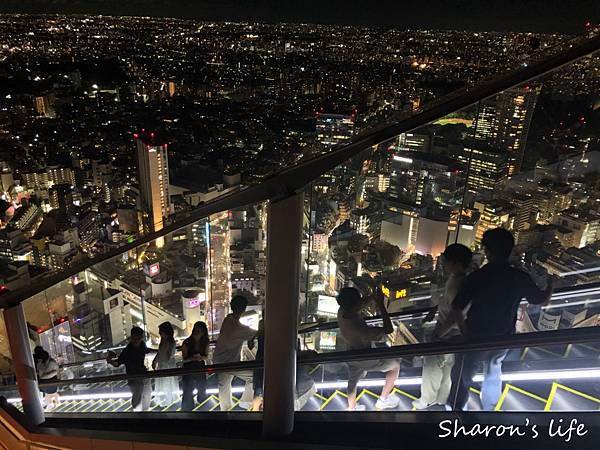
(501, 15)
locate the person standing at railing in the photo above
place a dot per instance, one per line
(436, 381)
(492, 295)
(194, 351)
(47, 370)
(133, 357)
(166, 387)
(358, 335)
(232, 336)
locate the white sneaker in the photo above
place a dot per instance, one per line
(301, 401)
(420, 404)
(388, 403)
(358, 408)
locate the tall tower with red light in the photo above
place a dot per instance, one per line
(153, 177)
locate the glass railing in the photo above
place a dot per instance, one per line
(523, 159)
(186, 276)
(517, 377)
(573, 307)
(204, 390)
(412, 326)
(536, 372)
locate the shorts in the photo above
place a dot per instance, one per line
(49, 389)
(358, 369)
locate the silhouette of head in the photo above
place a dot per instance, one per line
(136, 336)
(456, 258)
(350, 299)
(498, 244)
(238, 304)
(200, 329)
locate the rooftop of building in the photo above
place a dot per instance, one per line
(151, 137)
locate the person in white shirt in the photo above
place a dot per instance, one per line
(47, 370)
(232, 336)
(436, 380)
(358, 335)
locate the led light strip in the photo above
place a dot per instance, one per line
(406, 381)
(580, 302)
(577, 272)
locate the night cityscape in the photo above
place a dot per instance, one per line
(113, 127)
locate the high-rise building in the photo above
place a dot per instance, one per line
(14, 246)
(525, 211)
(35, 180)
(578, 228)
(6, 180)
(504, 122)
(488, 167)
(153, 173)
(493, 214)
(27, 219)
(486, 121)
(88, 228)
(422, 179)
(52, 176)
(61, 197)
(334, 128)
(44, 105)
(60, 175)
(99, 170)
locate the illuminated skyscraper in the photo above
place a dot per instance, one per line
(487, 167)
(493, 214)
(153, 173)
(514, 112)
(504, 122)
(44, 105)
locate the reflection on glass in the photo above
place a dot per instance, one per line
(524, 160)
(189, 275)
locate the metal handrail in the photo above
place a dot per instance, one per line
(559, 337)
(312, 328)
(331, 325)
(295, 178)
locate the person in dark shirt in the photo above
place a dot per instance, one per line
(133, 357)
(491, 297)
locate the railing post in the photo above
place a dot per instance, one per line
(18, 339)
(284, 240)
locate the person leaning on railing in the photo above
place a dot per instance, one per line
(358, 335)
(47, 370)
(436, 381)
(133, 357)
(492, 295)
(232, 337)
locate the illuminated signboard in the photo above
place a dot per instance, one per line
(194, 302)
(396, 294)
(152, 269)
(327, 305)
